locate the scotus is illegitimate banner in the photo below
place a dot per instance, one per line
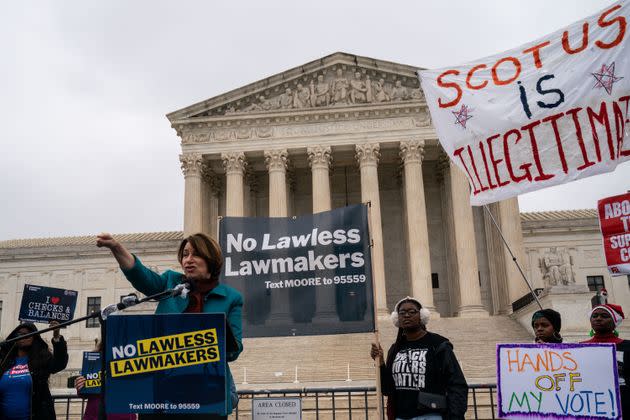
(545, 113)
(301, 276)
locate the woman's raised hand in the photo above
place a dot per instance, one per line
(106, 240)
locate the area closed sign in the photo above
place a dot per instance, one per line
(276, 409)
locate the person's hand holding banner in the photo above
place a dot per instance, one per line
(542, 114)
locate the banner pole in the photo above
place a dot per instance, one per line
(379, 395)
(496, 225)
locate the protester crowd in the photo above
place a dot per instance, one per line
(419, 374)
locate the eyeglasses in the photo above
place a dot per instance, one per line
(410, 312)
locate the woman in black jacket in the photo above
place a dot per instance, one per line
(25, 366)
(421, 377)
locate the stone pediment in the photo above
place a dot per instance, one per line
(337, 81)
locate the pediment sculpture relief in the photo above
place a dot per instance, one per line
(327, 89)
(556, 266)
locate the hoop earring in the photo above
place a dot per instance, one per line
(557, 336)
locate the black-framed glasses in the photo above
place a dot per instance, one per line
(410, 312)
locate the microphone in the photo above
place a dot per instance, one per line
(181, 290)
(125, 302)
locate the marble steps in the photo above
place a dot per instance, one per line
(328, 358)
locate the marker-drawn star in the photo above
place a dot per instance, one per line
(462, 116)
(606, 77)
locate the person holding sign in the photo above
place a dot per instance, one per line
(546, 324)
(94, 400)
(25, 366)
(201, 260)
(421, 376)
(604, 322)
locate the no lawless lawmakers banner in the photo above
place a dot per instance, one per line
(301, 276)
(91, 371)
(614, 220)
(545, 113)
(558, 381)
(173, 363)
(45, 304)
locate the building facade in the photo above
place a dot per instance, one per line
(343, 130)
(337, 131)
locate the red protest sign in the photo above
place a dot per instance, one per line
(614, 220)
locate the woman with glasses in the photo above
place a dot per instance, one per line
(604, 322)
(421, 375)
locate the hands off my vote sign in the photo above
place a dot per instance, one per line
(558, 380)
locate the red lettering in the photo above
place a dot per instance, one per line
(554, 123)
(620, 20)
(542, 176)
(471, 72)
(578, 133)
(620, 125)
(508, 159)
(485, 164)
(517, 67)
(602, 118)
(472, 161)
(458, 153)
(449, 85)
(495, 162)
(565, 41)
(535, 50)
(625, 99)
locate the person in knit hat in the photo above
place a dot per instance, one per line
(546, 324)
(421, 375)
(604, 322)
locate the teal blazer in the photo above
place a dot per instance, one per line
(222, 298)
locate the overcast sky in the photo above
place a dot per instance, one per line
(85, 86)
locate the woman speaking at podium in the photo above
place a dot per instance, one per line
(201, 260)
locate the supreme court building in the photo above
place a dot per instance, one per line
(343, 130)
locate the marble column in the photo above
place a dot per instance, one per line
(465, 246)
(234, 164)
(496, 263)
(510, 222)
(419, 259)
(276, 162)
(367, 156)
(210, 206)
(192, 165)
(320, 160)
(451, 271)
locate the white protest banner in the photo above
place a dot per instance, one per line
(545, 113)
(558, 380)
(614, 222)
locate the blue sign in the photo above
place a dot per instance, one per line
(45, 304)
(91, 371)
(167, 363)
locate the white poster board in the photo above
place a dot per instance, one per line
(557, 381)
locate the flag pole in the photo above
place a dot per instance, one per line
(379, 395)
(496, 225)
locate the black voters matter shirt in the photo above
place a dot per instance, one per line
(414, 368)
